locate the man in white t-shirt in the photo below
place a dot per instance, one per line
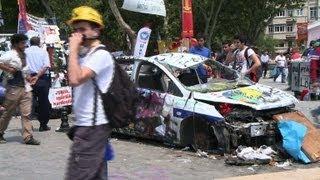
(265, 62)
(18, 91)
(247, 62)
(86, 62)
(281, 63)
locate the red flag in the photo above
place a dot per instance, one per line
(23, 25)
(187, 19)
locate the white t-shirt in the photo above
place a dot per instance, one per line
(265, 58)
(12, 59)
(241, 62)
(102, 64)
(281, 61)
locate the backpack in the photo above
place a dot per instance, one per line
(254, 76)
(121, 99)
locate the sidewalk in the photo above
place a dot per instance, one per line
(298, 174)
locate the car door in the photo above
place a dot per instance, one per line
(155, 112)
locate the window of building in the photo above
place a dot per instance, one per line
(313, 13)
(289, 28)
(299, 12)
(270, 29)
(279, 28)
(281, 14)
(290, 12)
(281, 44)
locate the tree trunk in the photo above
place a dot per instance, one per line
(132, 34)
(214, 23)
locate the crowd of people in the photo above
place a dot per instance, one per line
(249, 62)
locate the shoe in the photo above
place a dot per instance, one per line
(32, 141)
(45, 128)
(2, 139)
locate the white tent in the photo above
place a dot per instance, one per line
(313, 31)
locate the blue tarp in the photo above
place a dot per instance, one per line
(293, 134)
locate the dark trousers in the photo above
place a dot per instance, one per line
(40, 93)
(264, 69)
(86, 161)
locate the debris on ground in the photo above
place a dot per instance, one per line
(184, 160)
(251, 169)
(284, 165)
(185, 149)
(248, 153)
(249, 156)
(202, 154)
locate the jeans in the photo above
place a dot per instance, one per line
(280, 70)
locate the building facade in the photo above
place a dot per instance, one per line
(284, 26)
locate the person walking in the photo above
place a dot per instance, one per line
(246, 60)
(39, 64)
(18, 92)
(281, 63)
(265, 59)
(87, 61)
(201, 50)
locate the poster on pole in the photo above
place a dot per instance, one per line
(60, 97)
(142, 42)
(156, 7)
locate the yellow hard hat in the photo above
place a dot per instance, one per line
(86, 13)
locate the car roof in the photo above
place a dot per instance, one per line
(178, 60)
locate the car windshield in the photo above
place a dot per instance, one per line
(210, 76)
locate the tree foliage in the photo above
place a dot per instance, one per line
(218, 20)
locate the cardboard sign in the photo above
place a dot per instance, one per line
(156, 7)
(300, 76)
(51, 34)
(60, 97)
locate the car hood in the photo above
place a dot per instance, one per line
(258, 97)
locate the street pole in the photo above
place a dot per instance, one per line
(64, 126)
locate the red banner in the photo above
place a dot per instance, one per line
(187, 19)
(23, 25)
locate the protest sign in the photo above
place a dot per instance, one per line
(60, 97)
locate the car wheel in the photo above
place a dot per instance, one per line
(197, 133)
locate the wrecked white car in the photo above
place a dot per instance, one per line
(178, 108)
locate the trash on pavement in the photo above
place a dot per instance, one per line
(184, 160)
(185, 149)
(250, 156)
(248, 153)
(284, 165)
(202, 153)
